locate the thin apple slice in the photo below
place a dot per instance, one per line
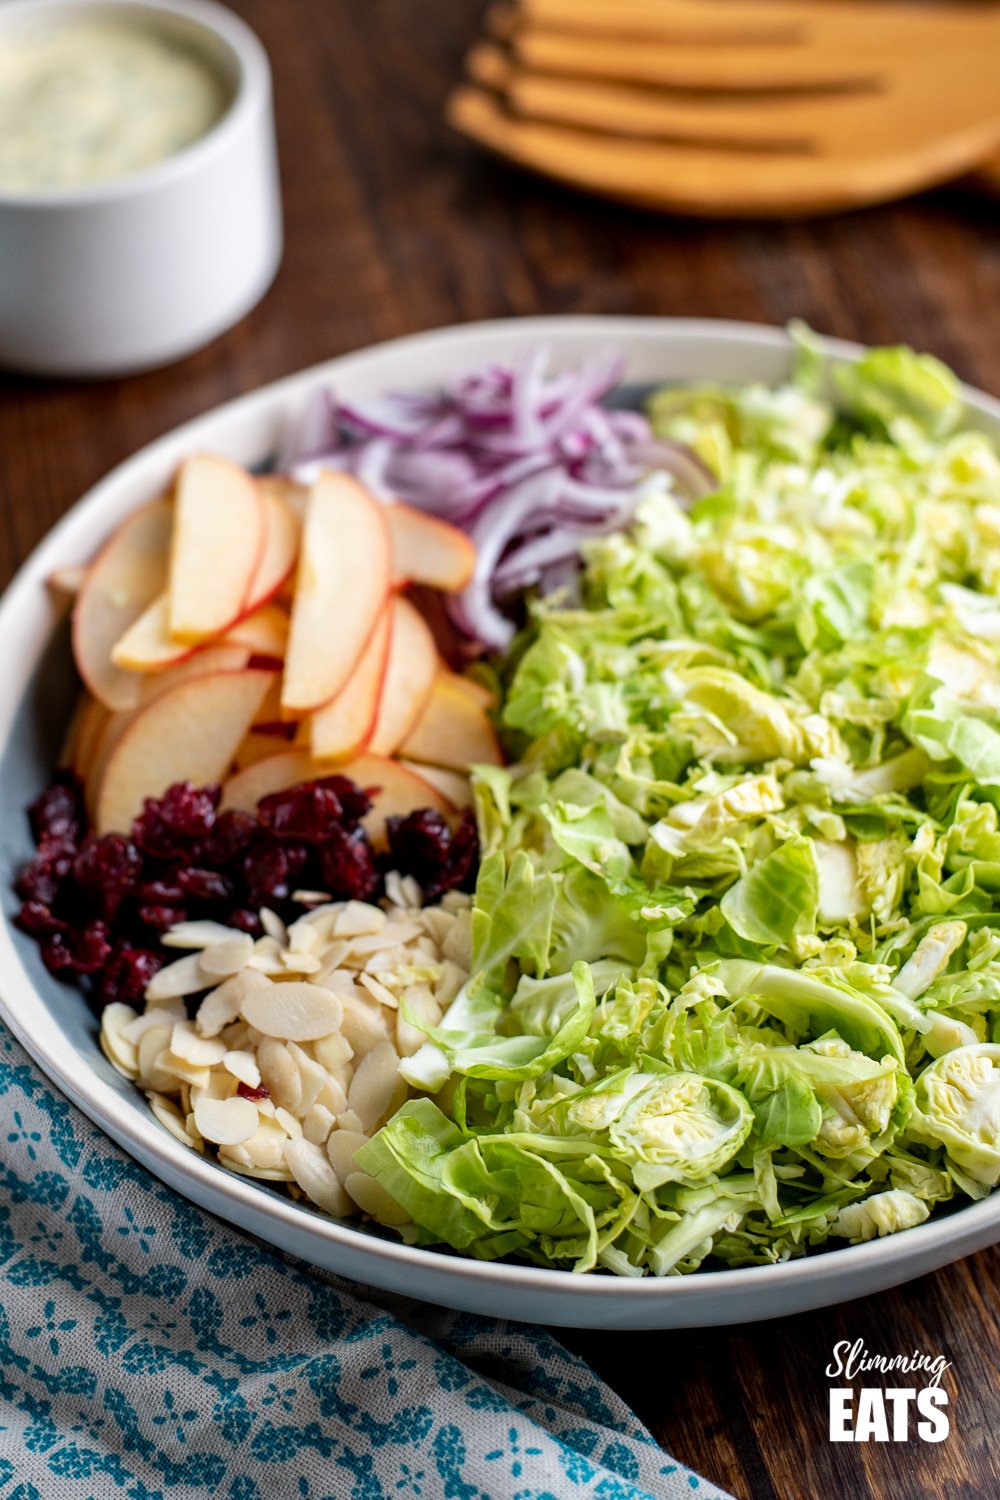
(395, 790)
(147, 645)
(219, 535)
(341, 587)
(453, 731)
(222, 657)
(410, 676)
(344, 727)
(283, 530)
(190, 733)
(93, 722)
(273, 773)
(264, 632)
(477, 691)
(66, 583)
(260, 744)
(88, 717)
(426, 550)
(126, 576)
(455, 788)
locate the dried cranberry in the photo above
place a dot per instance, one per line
(106, 869)
(161, 892)
(347, 865)
(205, 885)
(266, 872)
(170, 826)
(58, 812)
(354, 801)
(245, 921)
(127, 973)
(228, 839)
(82, 952)
(246, 1092)
(306, 812)
(422, 845)
(36, 918)
(160, 918)
(42, 879)
(57, 955)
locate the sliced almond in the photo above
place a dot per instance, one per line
(311, 1169)
(222, 1005)
(185, 977)
(227, 1122)
(296, 1012)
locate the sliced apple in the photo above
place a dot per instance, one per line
(66, 583)
(453, 731)
(190, 733)
(222, 657)
(147, 645)
(269, 714)
(395, 790)
(264, 632)
(476, 690)
(126, 576)
(427, 550)
(273, 773)
(218, 540)
(455, 788)
(341, 586)
(283, 529)
(260, 744)
(409, 678)
(343, 727)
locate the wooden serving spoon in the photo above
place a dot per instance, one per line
(739, 107)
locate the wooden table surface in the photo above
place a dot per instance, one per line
(395, 225)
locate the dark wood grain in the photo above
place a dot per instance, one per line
(395, 225)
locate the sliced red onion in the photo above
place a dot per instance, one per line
(529, 463)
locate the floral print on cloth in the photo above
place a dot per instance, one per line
(151, 1353)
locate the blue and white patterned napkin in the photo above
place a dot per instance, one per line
(151, 1353)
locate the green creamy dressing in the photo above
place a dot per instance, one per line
(88, 101)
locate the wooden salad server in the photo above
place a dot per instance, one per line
(738, 107)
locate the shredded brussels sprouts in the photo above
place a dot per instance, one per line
(736, 978)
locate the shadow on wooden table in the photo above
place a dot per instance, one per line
(749, 1407)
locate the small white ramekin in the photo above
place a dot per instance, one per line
(124, 275)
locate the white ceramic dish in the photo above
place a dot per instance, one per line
(53, 1022)
(138, 271)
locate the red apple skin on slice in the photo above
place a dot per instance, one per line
(217, 658)
(453, 731)
(279, 554)
(220, 529)
(429, 551)
(410, 676)
(126, 576)
(395, 790)
(190, 733)
(147, 645)
(342, 584)
(343, 727)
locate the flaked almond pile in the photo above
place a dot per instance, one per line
(291, 1060)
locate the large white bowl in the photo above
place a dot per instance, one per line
(55, 1026)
